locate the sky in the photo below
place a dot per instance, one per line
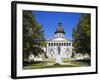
(49, 21)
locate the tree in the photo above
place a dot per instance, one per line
(82, 35)
(33, 35)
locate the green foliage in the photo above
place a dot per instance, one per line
(82, 34)
(33, 35)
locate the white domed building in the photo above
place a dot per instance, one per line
(58, 47)
(59, 41)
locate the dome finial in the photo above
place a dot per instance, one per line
(59, 24)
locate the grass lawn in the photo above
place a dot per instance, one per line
(50, 63)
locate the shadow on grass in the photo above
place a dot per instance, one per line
(44, 64)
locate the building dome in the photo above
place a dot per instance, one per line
(59, 29)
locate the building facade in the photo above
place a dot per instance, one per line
(59, 42)
(58, 46)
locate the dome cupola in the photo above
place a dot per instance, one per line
(59, 29)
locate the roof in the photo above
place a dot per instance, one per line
(59, 39)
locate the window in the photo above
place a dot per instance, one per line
(69, 44)
(64, 44)
(58, 44)
(54, 44)
(61, 44)
(58, 35)
(49, 44)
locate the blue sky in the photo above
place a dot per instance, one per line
(50, 20)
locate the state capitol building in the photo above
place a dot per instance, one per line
(59, 41)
